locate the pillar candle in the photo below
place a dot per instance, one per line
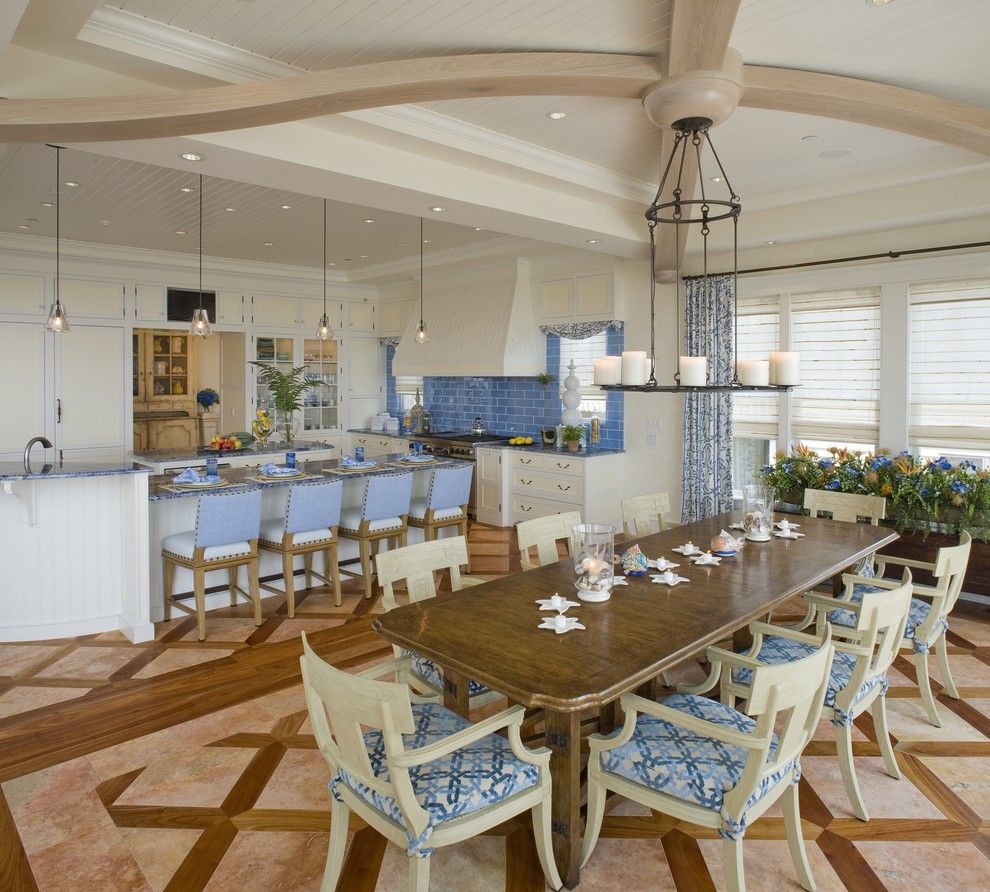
(753, 372)
(635, 367)
(608, 370)
(785, 368)
(694, 371)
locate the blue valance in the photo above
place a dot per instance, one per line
(390, 341)
(578, 331)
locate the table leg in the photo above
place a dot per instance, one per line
(455, 692)
(564, 739)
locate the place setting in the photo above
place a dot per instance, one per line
(194, 479)
(347, 464)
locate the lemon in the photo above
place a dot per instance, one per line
(529, 441)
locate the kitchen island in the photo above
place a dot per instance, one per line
(160, 461)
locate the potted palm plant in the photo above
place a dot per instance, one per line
(287, 389)
(572, 434)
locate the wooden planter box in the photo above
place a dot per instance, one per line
(922, 548)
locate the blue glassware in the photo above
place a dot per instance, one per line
(417, 448)
(290, 459)
(212, 467)
(359, 453)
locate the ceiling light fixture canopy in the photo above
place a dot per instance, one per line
(421, 336)
(323, 330)
(58, 318)
(200, 324)
(691, 135)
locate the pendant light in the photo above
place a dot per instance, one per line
(323, 330)
(58, 319)
(421, 336)
(200, 325)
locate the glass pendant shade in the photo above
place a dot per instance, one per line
(58, 318)
(421, 336)
(323, 330)
(200, 325)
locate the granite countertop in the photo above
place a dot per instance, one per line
(14, 470)
(160, 455)
(238, 477)
(552, 450)
(397, 435)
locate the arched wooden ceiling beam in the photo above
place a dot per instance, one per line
(868, 102)
(311, 95)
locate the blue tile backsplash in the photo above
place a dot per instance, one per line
(508, 405)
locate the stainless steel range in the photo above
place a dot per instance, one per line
(460, 445)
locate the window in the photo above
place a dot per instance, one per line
(584, 352)
(405, 390)
(757, 414)
(950, 367)
(838, 337)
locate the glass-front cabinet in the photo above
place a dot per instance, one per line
(320, 410)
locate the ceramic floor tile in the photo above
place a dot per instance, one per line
(768, 866)
(96, 663)
(159, 852)
(224, 629)
(88, 860)
(629, 864)
(968, 778)
(282, 703)
(973, 630)
(967, 671)
(271, 860)
(292, 628)
(202, 777)
(180, 658)
(826, 731)
(907, 720)
(17, 658)
(24, 698)
(905, 866)
(299, 782)
(470, 866)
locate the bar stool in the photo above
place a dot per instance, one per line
(446, 502)
(225, 537)
(383, 514)
(309, 525)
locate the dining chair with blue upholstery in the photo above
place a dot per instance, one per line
(928, 616)
(417, 772)
(701, 761)
(446, 502)
(418, 565)
(309, 526)
(383, 516)
(225, 537)
(858, 677)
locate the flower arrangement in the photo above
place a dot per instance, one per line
(207, 398)
(922, 494)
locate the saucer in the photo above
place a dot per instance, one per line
(548, 623)
(687, 549)
(565, 605)
(780, 525)
(780, 534)
(659, 580)
(705, 560)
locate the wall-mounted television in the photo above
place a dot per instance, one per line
(182, 302)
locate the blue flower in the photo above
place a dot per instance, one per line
(826, 463)
(959, 486)
(853, 472)
(942, 463)
(766, 469)
(881, 461)
(788, 467)
(833, 485)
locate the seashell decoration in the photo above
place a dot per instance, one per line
(726, 544)
(634, 562)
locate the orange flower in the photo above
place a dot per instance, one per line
(886, 489)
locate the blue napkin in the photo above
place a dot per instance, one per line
(415, 458)
(271, 470)
(191, 475)
(347, 462)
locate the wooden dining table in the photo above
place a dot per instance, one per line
(489, 633)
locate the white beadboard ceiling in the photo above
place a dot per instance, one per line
(145, 207)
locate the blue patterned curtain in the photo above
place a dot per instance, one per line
(706, 479)
(579, 331)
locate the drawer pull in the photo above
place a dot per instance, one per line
(525, 482)
(563, 488)
(563, 467)
(527, 507)
(525, 461)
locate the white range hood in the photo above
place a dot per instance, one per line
(478, 329)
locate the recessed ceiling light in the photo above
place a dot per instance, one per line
(332, 263)
(180, 232)
(437, 209)
(834, 153)
(269, 244)
(593, 241)
(715, 179)
(426, 241)
(557, 115)
(47, 204)
(370, 220)
(191, 156)
(363, 256)
(478, 228)
(771, 242)
(104, 222)
(877, 2)
(811, 137)
(286, 207)
(70, 183)
(230, 210)
(23, 226)
(187, 189)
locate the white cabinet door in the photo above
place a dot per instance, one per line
(88, 298)
(149, 302)
(488, 499)
(24, 295)
(275, 310)
(594, 297)
(365, 366)
(361, 316)
(90, 387)
(391, 319)
(312, 310)
(230, 308)
(23, 348)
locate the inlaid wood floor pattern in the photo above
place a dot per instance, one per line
(189, 765)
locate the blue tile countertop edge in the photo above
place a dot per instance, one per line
(11, 470)
(552, 450)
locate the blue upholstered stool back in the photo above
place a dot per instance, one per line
(229, 517)
(313, 506)
(387, 495)
(450, 487)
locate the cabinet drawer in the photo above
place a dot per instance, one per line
(549, 486)
(557, 463)
(525, 508)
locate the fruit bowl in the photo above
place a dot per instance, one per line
(521, 441)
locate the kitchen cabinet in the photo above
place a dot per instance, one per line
(489, 488)
(22, 295)
(174, 433)
(377, 445)
(149, 303)
(312, 310)
(361, 316)
(578, 297)
(395, 316)
(90, 391)
(274, 311)
(24, 347)
(230, 308)
(365, 367)
(164, 371)
(93, 299)
(142, 436)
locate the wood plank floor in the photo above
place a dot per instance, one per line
(188, 765)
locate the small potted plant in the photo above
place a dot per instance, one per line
(572, 434)
(207, 398)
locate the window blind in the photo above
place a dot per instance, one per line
(584, 352)
(408, 384)
(950, 365)
(838, 336)
(757, 414)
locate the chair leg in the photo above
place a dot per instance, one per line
(333, 571)
(843, 743)
(168, 574)
(403, 538)
(339, 813)
(232, 584)
(593, 822)
(255, 590)
(290, 588)
(365, 549)
(544, 841)
(942, 651)
(925, 686)
(879, 713)
(419, 874)
(732, 860)
(795, 838)
(199, 590)
(308, 568)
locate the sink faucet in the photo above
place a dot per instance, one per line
(44, 441)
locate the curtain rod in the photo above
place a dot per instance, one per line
(888, 255)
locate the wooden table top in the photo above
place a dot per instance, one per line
(489, 631)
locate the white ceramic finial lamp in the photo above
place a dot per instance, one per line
(571, 398)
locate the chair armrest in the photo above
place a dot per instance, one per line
(505, 719)
(828, 603)
(744, 661)
(399, 664)
(851, 579)
(883, 559)
(635, 703)
(781, 632)
(927, 591)
(854, 650)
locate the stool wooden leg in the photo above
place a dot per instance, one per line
(290, 588)
(199, 590)
(333, 571)
(255, 590)
(365, 549)
(429, 534)
(403, 538)
(232, 583)
(308, 567)
(168, 574)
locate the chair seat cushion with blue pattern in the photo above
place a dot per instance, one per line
(430, 672)
(472, 778)
(686, 765)
(917, 614)
(775, 650)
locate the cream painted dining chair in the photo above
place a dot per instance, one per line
(858, 677)
(543, 533)
(418, 773)
(928, 616)
(643, 515)
(701, 761)
(418, 566)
